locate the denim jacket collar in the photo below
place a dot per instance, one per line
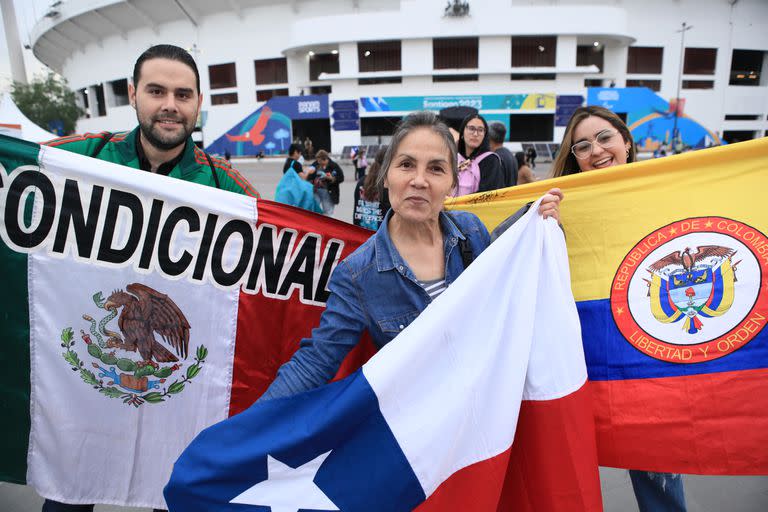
(387, 257)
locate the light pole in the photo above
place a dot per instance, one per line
(682, 31)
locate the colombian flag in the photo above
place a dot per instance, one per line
(669, 265)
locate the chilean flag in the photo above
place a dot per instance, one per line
(430, 420)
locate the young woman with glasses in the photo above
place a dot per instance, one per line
(480, 169)
(595, 138)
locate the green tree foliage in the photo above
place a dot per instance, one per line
(47, 99)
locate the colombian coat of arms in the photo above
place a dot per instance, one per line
(691, 291)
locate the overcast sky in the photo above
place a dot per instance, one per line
(27, 13)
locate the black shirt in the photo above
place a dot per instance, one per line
(491, 173)
(165, 168)
(509, 162)
(291, 163)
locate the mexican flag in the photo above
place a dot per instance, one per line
(137, 311)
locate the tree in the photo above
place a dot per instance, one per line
(47, 99)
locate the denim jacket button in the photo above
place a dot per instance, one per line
(400, 268)
(454, 239)
(402, 327)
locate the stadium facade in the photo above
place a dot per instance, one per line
(341, 72)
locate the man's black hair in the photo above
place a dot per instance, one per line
(166, 51)
(293, 148)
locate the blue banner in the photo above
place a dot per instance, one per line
(650, 118)
(268, 129)
(479, 102)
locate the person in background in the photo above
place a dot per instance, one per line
(417, 252)
(596, 138)
(497, 133)
(480, 168)
(293, 160)
(524, 171)
(294, 189)
(371, 204)
(531, 154)
(360, 163)
(326, 177)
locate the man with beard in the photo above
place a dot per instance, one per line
(166, 95)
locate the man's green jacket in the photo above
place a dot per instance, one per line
(193, 166)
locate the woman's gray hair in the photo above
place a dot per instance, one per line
(423, 119)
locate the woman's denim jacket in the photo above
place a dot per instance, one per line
(372, 289)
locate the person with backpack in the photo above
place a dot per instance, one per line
(480, 169)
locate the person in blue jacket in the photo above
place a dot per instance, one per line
(293, 189)
(417, 252)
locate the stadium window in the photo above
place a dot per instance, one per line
(265, 94)
(380, 80)
(593, 82)
(533, 51)
(271, 71)
(700, 61)
(698, 84)
(645, 59)
(82, 96)
(654, 85)
(455, 53)
(746, 66)
(379, 56)
(119, 92)
(532, 76)
(588, 55)
(229, 98)
(101, 104)
(323, 63)
(222, 76)
(320, 89)
(454, 78)
(742, 117)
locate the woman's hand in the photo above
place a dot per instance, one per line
(550, 204)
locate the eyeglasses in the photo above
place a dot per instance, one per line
(475, 130)
(605, 139)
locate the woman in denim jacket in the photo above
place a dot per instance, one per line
(415, 255)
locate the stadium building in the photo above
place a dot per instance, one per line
(342, 72)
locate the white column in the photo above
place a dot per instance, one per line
(298, 72)
(348, 59)
(18, 72)
(615, 64)
(566, 52)
(416, 55)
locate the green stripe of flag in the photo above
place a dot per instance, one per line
(14, 335)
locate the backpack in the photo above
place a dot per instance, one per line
(469, 178)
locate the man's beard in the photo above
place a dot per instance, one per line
(163, 141)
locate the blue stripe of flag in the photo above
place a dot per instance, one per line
(611, 357)
(366, 469)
